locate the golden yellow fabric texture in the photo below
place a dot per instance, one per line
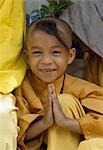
(91, 144)
(8, 122)
(12, 66)
(94, 71)
(62, 139)
(30, 107)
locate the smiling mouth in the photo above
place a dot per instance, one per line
(47, 70)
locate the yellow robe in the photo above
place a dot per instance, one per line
(12, 68)
(12, 26)
(79, 92)
(94, 71)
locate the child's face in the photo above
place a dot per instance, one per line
(46, 56)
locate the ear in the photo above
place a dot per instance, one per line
(25, 54)
(71, 55)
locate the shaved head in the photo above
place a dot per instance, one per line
(54, 26)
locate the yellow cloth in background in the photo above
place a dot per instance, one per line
(8, 122)
(12, 66)
(94, 71)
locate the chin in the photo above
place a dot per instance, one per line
(48, 80)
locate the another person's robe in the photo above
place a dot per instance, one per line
(94, 71)
(12, 68)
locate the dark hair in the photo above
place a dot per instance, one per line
(54, 26)
(50, 27)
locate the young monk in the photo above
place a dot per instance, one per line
(55, 107)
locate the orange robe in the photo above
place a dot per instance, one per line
(31, 106)
(94, 71)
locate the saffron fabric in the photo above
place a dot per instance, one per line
(12, 27)
(84, 94)
(94, 71)
(12, 68)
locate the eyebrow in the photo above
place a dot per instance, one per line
(35, 47)
(55, 46)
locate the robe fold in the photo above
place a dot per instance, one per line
(12, 29)
(94, 71)
(12, 68)
(31, 96)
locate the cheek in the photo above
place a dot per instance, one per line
(62, 64)
(32, 63)
(63, 60)
(32, 60)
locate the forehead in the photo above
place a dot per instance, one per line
(42, 39)
(63, 29)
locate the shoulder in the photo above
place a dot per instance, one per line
(73, 79)
(19, 89)
(80, 84)
(81, 88)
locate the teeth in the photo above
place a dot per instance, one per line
(47, 70)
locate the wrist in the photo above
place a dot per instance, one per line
(72, 125)
(68, 123)
(63, 123)
(46, 123)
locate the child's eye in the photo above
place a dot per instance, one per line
(36, 53)
(56, 52)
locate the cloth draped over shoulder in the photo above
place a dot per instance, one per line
(89, 95)
(12, 29)
(94, 71)
(86, 21)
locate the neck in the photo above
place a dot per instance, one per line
(42, 86)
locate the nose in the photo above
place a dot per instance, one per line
(46, 59)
